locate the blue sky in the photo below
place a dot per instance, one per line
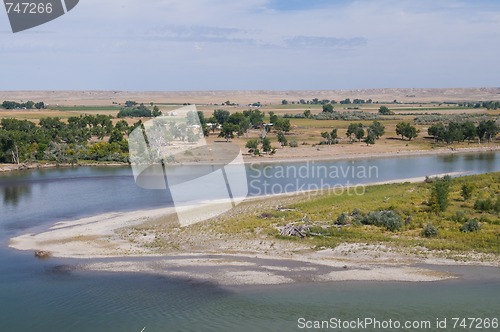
(256, 44)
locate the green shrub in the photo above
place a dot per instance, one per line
(439, 196)
(459, 217)
(484, 205)
(430, 230)
(470, 226)
(357, 216)
(386, 218)
(467, 190)
(293, 144)
(343, 219)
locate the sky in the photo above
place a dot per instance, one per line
(182, 45)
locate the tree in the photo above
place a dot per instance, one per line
(328, 108)
(370, 139)
(256, 117)
(352, 129)
(201, 118)
(307, 114)
(244, 126)
(405, 129)
(156, 112)
(228, 131)
(282, 139)
(284, 102)
(330, 136)
(252, 144)
(266, 145)
(439, 194)
(140, 111)
(377, 129)
(29, 104)
(384, 110)
(437, 131)
(272, 117)
(116, 136)
(487, 130)
(469, 130)
(121, 126)
(222, 116)
(236, 118)
(359, 133)
(241, 121)
(334, 134)
(282, 125)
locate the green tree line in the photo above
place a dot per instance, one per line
(79, 138)
(11, 105)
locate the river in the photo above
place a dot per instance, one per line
(53, 296)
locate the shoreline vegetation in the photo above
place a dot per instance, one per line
(386, 234)
(244, 246)
(337, 156)
(302, 126)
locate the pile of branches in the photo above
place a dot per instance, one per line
(294, 230)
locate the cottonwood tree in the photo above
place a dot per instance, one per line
(328, 108)
(376, 129)
(282, 139)
(359, 133)
(266, 145)
(384, 110)
(487, 130)
(405, 129)
(330, 136)
(354, 129)
(370, 139)
(228, 131)
(282, 125)
(222, 116)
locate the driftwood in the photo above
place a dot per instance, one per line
(294, 230)
(42, 254)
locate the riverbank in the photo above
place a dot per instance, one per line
(224, 259)
(31, 166)
(152, 241)
(296, 155)
(331, 153)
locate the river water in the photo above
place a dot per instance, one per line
(52, 296)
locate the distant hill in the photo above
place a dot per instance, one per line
(70, 98)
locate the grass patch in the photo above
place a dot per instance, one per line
(85, 108)
(408, 200)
